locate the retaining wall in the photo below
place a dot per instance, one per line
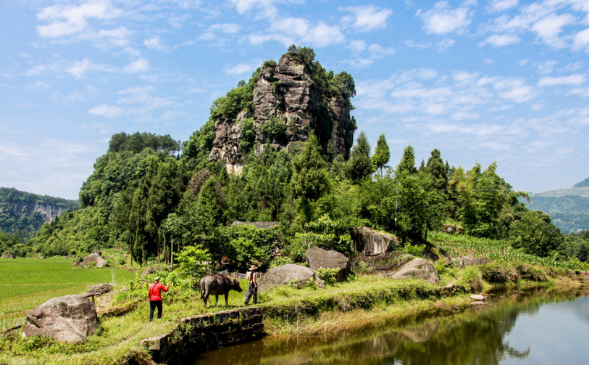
(206, 332)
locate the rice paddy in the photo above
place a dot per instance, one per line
(26, 283)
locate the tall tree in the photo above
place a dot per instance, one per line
(381, 156)
(359, 165)
(407, 163)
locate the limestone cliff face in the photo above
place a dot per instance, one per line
(288, 94)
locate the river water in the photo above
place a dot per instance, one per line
(537, 328)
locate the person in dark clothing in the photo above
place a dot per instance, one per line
(252, 286)
(156, 297)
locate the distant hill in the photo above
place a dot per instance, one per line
(27, 212)
(568, 208)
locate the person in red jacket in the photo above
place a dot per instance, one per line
(156, 297)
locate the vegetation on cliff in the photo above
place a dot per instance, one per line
(147, 198)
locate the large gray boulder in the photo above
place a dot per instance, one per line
(70, 319)
(370, 242)
(318, 257)
(93, 257)
(286, 274)
(417, 269)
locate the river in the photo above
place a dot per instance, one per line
(515, 328)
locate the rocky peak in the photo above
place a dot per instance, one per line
(287, 107)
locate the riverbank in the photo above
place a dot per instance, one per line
(285, 310)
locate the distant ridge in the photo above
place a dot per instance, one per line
(583, 183)
(568, 208)
(27, 212)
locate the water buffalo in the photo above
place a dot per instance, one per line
(218, 285)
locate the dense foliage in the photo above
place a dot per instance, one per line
(153, 204)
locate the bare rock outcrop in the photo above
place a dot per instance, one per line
(370, 242)
(417, 269)
(288, 274)
(285, 92)
(93, 257)
(320, 258)
(70, 319)
(7, 255)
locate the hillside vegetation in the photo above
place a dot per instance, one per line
(568, 208)
(149, 199)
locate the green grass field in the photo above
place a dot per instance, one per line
(26, 283)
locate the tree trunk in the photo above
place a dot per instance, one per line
(172, 253)
(130, 251)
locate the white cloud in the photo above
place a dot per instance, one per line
(514, 89)
(442, 19)
(444, 44)
(106, 110)
(240, 68)
(581, 40)
(500, 40)
(137, 66)
(366, 18)
(419, 45)
(501, 5)
(80, 68)
(69, 19)
(39, 86)
(135, 95)
(154, 43)
(549, 28)
(357, 46)
(546, 68)
(227, 28)
(75, 96)
(575, 79)
(178, 21)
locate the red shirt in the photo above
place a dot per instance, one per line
(155, 292)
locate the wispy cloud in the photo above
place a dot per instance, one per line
(442, 19)
(365, 18)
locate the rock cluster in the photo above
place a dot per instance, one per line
(418, 269)
(70, 319)
(288, 93)
(93, 257)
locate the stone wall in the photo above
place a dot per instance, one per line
(206, 332)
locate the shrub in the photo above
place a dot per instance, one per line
(329, 276)
(279, 261)
(471, 279)
(530, 272)
(494, 274)
(441, 266)
(414, 250)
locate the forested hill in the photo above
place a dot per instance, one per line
(279, 147)
(568, 208)
(27, 212)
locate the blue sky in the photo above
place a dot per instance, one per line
(482, 81)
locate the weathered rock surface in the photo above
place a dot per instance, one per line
(99, 289)
(477, 297)
(7, 255)
(418, 269)
(369, 242)
(470, 261)
(285, 92)
(93, 257)
(318, 257)
(448, 228)
(70, 319)
(285, 274)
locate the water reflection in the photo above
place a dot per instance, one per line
(479, 336)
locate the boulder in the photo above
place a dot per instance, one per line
(477, 297)
(70, 319)
(98, 289)
(369, 242)
(318, 257)
(286, 274)
(93, 257)
(417, 269)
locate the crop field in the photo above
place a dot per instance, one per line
(26, 283)
(463, 245)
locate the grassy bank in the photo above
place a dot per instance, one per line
(286, 310)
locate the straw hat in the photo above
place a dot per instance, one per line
(252, 268)
(157, 278)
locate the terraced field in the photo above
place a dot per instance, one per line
(26, 283)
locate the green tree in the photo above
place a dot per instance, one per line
(310, 176)
(359, 165)
(535, 234)
(407, 163)
(381, 156)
